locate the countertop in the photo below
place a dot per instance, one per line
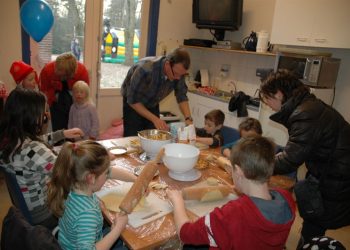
(222, 96)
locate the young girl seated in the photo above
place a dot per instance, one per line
(211, 133)
(259, 219)
(83, 113)
(24, 75)
(250, 126)
(80, 170)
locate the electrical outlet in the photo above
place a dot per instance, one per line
(224, 70)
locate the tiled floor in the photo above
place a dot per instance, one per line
(343, 234)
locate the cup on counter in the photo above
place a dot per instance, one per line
(263, 41)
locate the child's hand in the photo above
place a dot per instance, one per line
(73, 133)
(174, 195)
(120, 221)
(226, 153)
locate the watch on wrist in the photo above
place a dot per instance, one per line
(189, 118)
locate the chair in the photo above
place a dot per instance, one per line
(229, 134)
(16, 194)
(17, 233)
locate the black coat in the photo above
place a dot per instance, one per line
(320, 137)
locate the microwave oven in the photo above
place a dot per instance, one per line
(312, 70)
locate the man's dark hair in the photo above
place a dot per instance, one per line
(179, 55)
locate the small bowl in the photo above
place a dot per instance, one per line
(152, 140)
(118, 150)
(180, 158)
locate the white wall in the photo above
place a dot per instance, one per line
(10, 42)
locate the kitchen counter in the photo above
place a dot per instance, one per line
(225, 97)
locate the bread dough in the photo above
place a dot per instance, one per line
(212, 196)
(158, 186)
(211, 181)
(113, 200)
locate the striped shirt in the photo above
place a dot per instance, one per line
(146, 83)
(81, 223)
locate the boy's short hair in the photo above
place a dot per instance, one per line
(216, 116)
(251, 124)
(256, 157)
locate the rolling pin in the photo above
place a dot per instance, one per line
(197, 193)
(140, 186)
(225, 164)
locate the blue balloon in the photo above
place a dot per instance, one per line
(36, 18)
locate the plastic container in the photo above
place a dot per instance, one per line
(263, 41)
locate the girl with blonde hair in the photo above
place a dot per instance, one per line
(83, 113)
(80, 170)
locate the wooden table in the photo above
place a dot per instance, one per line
(162, 232)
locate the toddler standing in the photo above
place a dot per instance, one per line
(83, 113)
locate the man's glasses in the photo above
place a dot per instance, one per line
(172, 71)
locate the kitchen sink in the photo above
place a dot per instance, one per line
(223, 95)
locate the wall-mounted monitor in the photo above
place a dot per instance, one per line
(217, 15)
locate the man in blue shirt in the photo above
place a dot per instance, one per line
(147, 83)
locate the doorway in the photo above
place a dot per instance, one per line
(105, 35)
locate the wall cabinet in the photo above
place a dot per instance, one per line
(315, 23)
(200, 105)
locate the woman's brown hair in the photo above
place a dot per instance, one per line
(285, 81)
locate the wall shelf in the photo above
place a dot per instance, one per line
(228, 50)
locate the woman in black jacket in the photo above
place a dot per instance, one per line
(319, 137)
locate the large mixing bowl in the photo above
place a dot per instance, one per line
(180, 159)
(152, 140)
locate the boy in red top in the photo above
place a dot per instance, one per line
(259, 219)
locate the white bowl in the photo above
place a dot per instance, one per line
(151, 145)
(180, 158)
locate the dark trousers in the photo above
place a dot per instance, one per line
(60, 109)
(133, 122)
(311, 230)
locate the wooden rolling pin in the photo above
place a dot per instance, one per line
(198, 193)
(140, 186)
(225, 164)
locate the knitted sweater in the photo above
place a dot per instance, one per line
(33, 166)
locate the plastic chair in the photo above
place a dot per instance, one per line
(229, 134)
(16, 194)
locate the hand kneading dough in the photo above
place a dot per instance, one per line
(113, 200)
(212, 196)
(158, 186)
